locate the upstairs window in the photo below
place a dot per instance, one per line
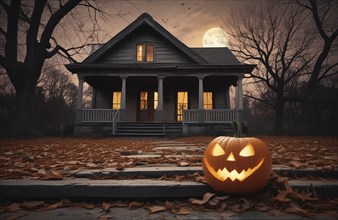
(145, 52)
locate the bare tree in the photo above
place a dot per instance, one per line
(279, 38)
(34, 31)
(324, 15)
(57, 85)
(271, 38)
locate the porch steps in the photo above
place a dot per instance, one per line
(147, 129)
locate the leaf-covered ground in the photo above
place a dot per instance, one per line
(55, 158)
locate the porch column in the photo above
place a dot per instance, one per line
(78, 109)
(200, 99)
(240, 98)
(79, 93)
(123, 98)
(227, 98)
(159, 110)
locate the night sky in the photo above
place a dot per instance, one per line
(186, 20)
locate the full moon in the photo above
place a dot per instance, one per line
(215, 37)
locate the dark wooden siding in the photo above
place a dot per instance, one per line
(125, 51)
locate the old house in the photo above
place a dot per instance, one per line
(147, 82)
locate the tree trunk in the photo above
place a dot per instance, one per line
(279, 116)
(25, 90)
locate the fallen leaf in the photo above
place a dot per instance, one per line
(205, 199)
(245, 204)
(295, 163)
(74, 162)
(106, 206)
(287, 186)
(183, 211)
(55, 205)
(42, 172)
(90, 164)
(299, 211)
(8, 153)
(13, 207)
(5, 158)
(20, 164)
(169, 205)
(222, 198)
(32, 205)
(87, 206)
(281, 197)
(183, 164)
(135, 205)
(56, 175)
(156, 208)
(261, 207)
(119, 204)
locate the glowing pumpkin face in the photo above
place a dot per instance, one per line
(237, 165)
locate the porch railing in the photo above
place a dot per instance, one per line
(221, 115)
(211, 116)
(99, 115)
(190, 116)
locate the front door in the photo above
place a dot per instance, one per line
(147, 103)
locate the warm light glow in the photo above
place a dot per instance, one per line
(116, 102)
(217, 151)
(231, 157)
(224, 174)
(247, 151)
(143, 100)
(150, 53)
(182, 104)
(215, 37)
(140, 52)
(155, 100)
(207, 100)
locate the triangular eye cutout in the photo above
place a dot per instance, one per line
(217, 151)
(247, 151)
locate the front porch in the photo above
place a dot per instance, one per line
(193, 121)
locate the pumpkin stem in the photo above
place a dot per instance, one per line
(238, 129)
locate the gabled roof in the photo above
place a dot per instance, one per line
(217, 55)
(147, 20)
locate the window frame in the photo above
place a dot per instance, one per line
(145, 46)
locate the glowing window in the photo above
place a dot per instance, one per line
(155, 100)
(116, 102)
(182, 104)
(143, 100)
(145, 52)
(207, 100)
(140, 49)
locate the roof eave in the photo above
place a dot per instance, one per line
(75, 68)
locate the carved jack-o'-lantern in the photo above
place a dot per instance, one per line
(237, 165)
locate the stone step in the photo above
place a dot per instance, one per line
(159, 155)
(149, 172)
(171, 171)
(174, 144)
(139, 188)
(178, 148)
(138, 134)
